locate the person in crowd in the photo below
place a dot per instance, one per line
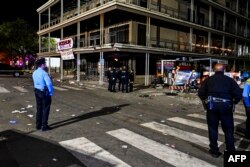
(43, 91)
(125, 79)
(221, 94)
(131, 80)
(113, 79)
(109, 78)
(246, 102)
(119, 78)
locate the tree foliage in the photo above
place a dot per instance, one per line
(16, 35)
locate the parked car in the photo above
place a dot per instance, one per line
(10, 70)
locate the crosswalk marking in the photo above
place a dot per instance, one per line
(58, 88)
(3, 90)
(200, 116)
(192, 124)
(184, 135)
(160, 151)
(70, 87)
(241, 117)
(86, 147)
(21, 89)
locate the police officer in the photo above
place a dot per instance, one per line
(221, 93)
(113, 79)
(43, 92)
(131, 80)
(124, 79)
(246, 93)
(119, 78)
(109, 78)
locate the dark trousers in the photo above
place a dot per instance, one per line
(43, 102)
(110, 85)
(125, 84)
(221, 112)
(119, 84)
(131, 86)
(113, 84)
(247, 131)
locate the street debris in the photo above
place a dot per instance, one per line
(140, 115)
(15, 111)
(30, 115)
(124, 146)
(2, 138)
(73, 115)
(54, 159)
(172, 145)
(29, 124)
(162, 121)
(97, 123)
(91, 107)
(3, 100)
(29, 106)
(18, 111)
(57, 110)
(13, 121)
(22, 108)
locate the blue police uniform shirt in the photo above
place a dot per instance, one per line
(246, 92)
(41, 79)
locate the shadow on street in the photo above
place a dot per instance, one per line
(21, 150)
(103, 111)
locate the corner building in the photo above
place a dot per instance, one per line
(139, 33)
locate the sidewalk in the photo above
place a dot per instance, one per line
(139, 89)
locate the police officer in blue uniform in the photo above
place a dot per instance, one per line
(124, 79)
(221, 94)
(246, 97)
(43, 92)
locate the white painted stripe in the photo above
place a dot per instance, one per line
(240, 112)
(3, 90)
(86, 147)
(61, 89)
(70, 87)
(200, 116)
(21, 89)
(160, 151)
(184, 135)
(241, 117)
(192, 124)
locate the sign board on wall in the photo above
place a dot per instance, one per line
(65, 44)
(67, 54)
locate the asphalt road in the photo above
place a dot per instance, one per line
(96, 128)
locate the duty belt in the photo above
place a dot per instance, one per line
(217, 99)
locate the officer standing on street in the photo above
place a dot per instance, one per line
(221, 93)
(43, 92)
(113, 79)
(246, 97)
(109, 73)
(124, 79)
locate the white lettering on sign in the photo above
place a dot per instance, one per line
(235, 158)
(67, 55)
(65, 44)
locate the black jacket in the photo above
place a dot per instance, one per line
(220, 86)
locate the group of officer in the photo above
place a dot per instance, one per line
(125, 79)
(219, 94)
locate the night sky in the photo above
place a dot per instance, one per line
(10, 10)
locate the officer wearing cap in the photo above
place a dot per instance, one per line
(43, 92)
(221, 93)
